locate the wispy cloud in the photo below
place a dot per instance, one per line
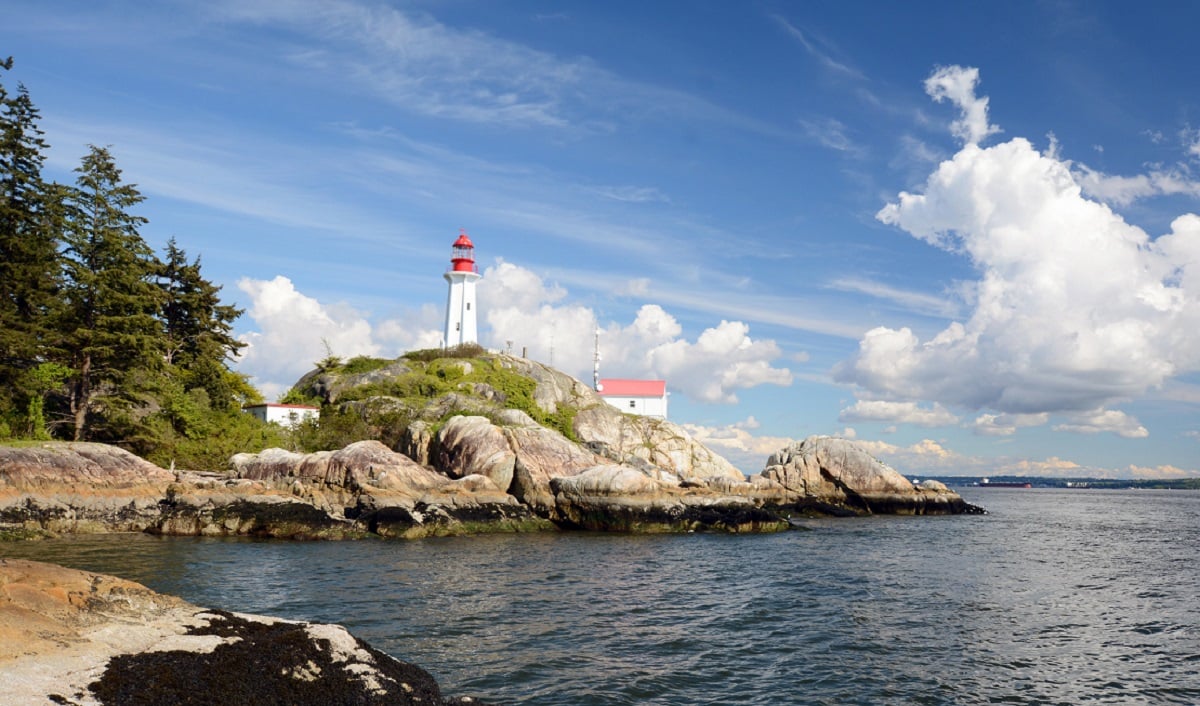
(822, 56)
(831, 133)
(918, 302)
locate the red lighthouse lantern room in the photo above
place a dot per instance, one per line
(462, 258)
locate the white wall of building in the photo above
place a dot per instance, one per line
(643, 406)
(287, 415)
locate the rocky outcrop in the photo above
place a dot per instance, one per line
(362, 489)
(366, 488)
(79, 487)
(74, 637)
(657, 443)
(824, 471)
(620, 498)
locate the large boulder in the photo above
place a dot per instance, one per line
(469, 445)
(824, 471)
(69, 636)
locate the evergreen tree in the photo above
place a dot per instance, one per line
(197, 331)
(29, 262)
(112, 335)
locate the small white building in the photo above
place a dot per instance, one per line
(287, 415)
(647, 398)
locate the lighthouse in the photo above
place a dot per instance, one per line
(460, 302)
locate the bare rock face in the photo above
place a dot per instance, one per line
(383, 492)
(625, 438)
(542, 455)
(620, 498)
(473, 445)
(86, 464)
(79, 487)
(839, 472)
(74, 637)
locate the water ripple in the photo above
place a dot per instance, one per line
(1056, 597)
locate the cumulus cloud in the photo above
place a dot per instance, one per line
(957, 84)
(1124, 190)
(294, 331)
(926, 457)
(1074, 309)
(1160, 472)
(519, 306)
(1006, 424)
(1104, 420)
(738, 444)
(899, 412)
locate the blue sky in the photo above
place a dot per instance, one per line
(959, 232)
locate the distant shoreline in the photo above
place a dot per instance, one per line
(1074, 483)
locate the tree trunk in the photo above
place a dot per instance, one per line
(82, 398)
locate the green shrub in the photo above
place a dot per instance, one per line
(363, 364)
(464, 350)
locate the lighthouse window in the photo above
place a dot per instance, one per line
(457, 327)
(468, 306)
(632, 404)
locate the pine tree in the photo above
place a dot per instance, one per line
(29, 261)
(197, 330)
(111, 332)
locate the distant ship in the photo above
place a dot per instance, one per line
(985, 483)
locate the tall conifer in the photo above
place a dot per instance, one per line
(197, 329)
(111, 331)
(29, 264)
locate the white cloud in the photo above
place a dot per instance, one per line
(518, 306)
(1104, 420)
(1007, 424)
(822, 57)
(1074, 308)
(1191, 141)
(737, 444)
(1124, 190)
(637, 287)
(916, 301)
(957, 84)
(831, 133)
(294, 332)
(899, 412)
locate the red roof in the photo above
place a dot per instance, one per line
(633, 388)
(463, 241)
(278, 405)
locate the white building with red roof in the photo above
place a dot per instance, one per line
(647, 398)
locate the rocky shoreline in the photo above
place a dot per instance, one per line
(367, 489)
(84, 639)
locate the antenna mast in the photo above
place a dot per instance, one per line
(596, 365)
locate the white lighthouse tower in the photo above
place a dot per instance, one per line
(460, 303)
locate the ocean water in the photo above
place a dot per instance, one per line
(1055, 597)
